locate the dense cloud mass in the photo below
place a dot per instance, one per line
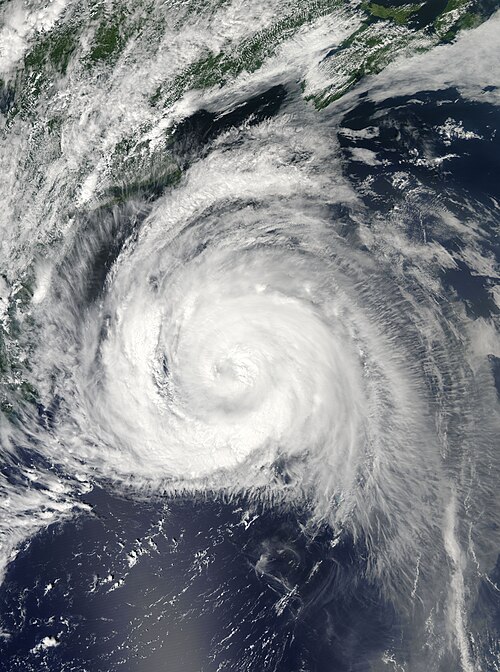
(250, 293)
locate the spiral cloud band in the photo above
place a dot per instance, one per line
(233, 356)
(262, 288)
(241, 345)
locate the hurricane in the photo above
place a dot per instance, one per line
(249, 343)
